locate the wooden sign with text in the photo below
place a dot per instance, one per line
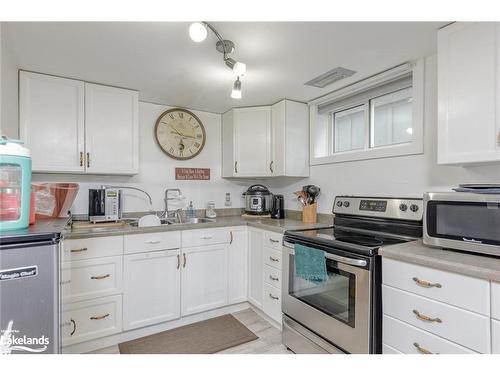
(192, 173)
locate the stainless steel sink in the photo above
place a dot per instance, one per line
(193, 220)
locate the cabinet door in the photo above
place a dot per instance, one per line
(228, 161)
(256, 264)
(237, 266)
(204, 278)
(252, 135)
(51, 117)
(278, 125)
(468, 130)
(151, 288)
(111, 130)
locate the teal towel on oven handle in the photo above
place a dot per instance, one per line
(310, 264)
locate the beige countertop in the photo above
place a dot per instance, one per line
(274, 225)
(483, 267)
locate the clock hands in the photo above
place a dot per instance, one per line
(180, 134)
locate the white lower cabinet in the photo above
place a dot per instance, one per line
(427, 310)
(411, 340)
(92, 319)
(237, 254)
(152, 288)
(271, 303)
(255, 266)
(91, 278)
(204, 278)
(495, 336)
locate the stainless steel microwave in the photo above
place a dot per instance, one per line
(463, 221)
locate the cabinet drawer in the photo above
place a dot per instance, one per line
(209, 236)
(408, 339)
(83, 321)
(271, 303)
(92, 278)
(272, 276)
(86, 248)
(495, 300)
(462, 291)
(141, 243)
(272, 257)
(273, 240)
(460, 326)
(495, 336)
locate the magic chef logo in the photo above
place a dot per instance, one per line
(10, 341)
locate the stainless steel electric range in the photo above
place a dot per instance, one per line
(343, 312)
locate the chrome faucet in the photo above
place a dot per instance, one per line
(166, 213)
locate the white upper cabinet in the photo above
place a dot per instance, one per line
(51, 121)
(290, 139)
(76, 127)
(468, 92)
(266, 141)
(111, 130)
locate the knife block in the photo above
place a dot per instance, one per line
(309, 213)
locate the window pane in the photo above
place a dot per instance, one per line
(391, 118)
(349, 129)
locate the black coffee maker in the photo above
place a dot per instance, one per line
(278, 210)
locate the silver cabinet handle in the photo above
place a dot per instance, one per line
(206, 237)
(272, 259)
(99, 317)
(426, 284)
(64, 282)
(273, 241)
(425, 318)
(81, 158)
(420, 349)
(184, 263)
(273, 297)
(74, 327)
(273, 278)
(88, 159)
(78, 250)
(153, 242)
(178, 261)
(271, 166)
(235, 167)
(100, 277)
(231, 237)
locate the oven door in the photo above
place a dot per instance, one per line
(467, 222)
(337, 309)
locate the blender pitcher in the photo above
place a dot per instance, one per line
(15, 185)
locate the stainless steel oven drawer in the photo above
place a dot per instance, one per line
(302, 341)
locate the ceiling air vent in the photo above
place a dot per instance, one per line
(329, 77)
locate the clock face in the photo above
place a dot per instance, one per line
(180, 134)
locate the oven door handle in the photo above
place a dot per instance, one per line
(337, 258)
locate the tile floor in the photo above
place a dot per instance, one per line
(269, 341)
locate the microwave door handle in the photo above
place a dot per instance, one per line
(337, 258)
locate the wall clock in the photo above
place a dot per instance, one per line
(180, 134)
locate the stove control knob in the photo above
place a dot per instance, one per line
(346, 204)
(414, 208)
(403, 207)
(339, 204)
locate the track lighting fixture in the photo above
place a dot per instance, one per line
(198, 31)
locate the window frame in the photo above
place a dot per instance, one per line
(415, 146)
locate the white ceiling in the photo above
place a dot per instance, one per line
(160, 60)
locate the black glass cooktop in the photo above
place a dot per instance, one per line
(335, 237)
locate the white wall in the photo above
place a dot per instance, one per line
(398, 176)
(157, 170)
(8, 87)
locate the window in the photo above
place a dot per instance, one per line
(379, 117)
(349, 129)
